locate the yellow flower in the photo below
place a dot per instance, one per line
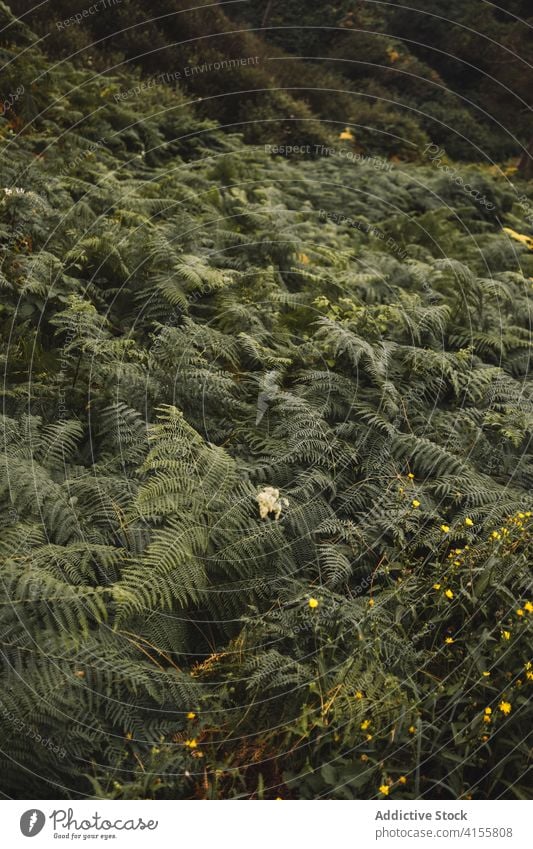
(279, 799)
(411, 476)
(449, 640)
(384, 789)
(468, 522)
(529, 675)
(506, 635)
(359, 695)
(371, 602)
(449, 593)
(191, 744)
(488, 711)
(365, 724)
(505, 708)
(411, 729)
(191, 715)
(369, 736)
(415, 503)
(485, 674)
(487, 719)
(364, 758)
(402, 779)
(519, 612)
(528, 606)
(346, 134)
(520, 237)
(129, 736)
(436, 586)
(495, 535)
(445, 529)
(313, 602)
(456, 562)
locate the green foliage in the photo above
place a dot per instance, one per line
(187, 322)
(450, 72)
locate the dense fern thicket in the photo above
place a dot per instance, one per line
(195, 334)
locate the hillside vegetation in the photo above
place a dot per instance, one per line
(400, 75)
(266, 470)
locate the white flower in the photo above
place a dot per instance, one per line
(270, 502)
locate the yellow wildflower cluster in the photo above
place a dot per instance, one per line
(269, 501)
